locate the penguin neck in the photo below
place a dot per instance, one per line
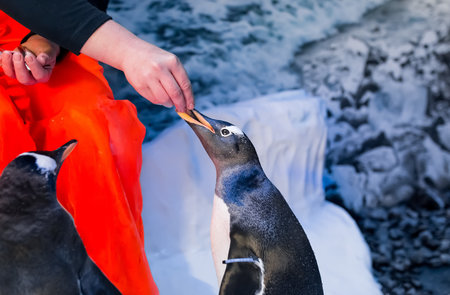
(233, 183)
(225, 166)
(23, 199)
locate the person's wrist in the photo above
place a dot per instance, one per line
(128, 53)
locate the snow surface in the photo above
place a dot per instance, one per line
(289, 133)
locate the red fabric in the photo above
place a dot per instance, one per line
(99, 182)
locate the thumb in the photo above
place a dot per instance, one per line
(43, 59)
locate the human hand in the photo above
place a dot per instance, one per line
(32, 62)
(158, 76)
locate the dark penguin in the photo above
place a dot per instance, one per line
(253, 231)
(41, 252)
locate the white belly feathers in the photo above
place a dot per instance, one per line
(220, 235)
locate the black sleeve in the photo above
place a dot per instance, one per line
(68, 23)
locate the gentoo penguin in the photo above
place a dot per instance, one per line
(258, 245)
(41, 252)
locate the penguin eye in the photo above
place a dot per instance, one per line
(225, 132)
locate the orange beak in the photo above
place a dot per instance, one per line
(197, 119)
(69, 148)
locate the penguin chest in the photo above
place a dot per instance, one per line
(220, 235)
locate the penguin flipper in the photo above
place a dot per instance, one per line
(241, 278)
(94, 282)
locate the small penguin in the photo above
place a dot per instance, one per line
(41, 252)
(258, 245)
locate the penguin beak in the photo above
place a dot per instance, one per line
(63, 152)
(194, 117)
(67, 149)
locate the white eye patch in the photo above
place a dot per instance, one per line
(45, 164)
(227, 131)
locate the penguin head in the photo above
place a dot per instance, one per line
(225, 143)
(41, 166)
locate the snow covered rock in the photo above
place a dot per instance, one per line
(379, 159)
(444, 135)
(355, 58)
(429, 38)
(289, 133)
(397, 103)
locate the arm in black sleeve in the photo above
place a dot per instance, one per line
(68, 23)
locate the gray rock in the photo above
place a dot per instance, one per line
(416, 283)
(420, 53)
(401, 264)
(401, 253)
(393, 195)
(433, 244)
(418, 259)
(409, 224)
(425, 236)
(395, 233)
(439, 221)
(397, 103)
(398, 244)
(396, 212)
(351, 186)
(398, 291)
(429, 39)
(420, 256)
(445, 258)
(387, 282)
(355, 59)
(378, 214)
(385, 250)
(402, 50)
(379, 159)
(427, 239)
(435, 171)
(447, 233)
(444, 134)
(369, 224)
(380, 259)
(417, 243)
(435, 262)
(411, 213)
(393, 68)
(445, 245)
(442, 49)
